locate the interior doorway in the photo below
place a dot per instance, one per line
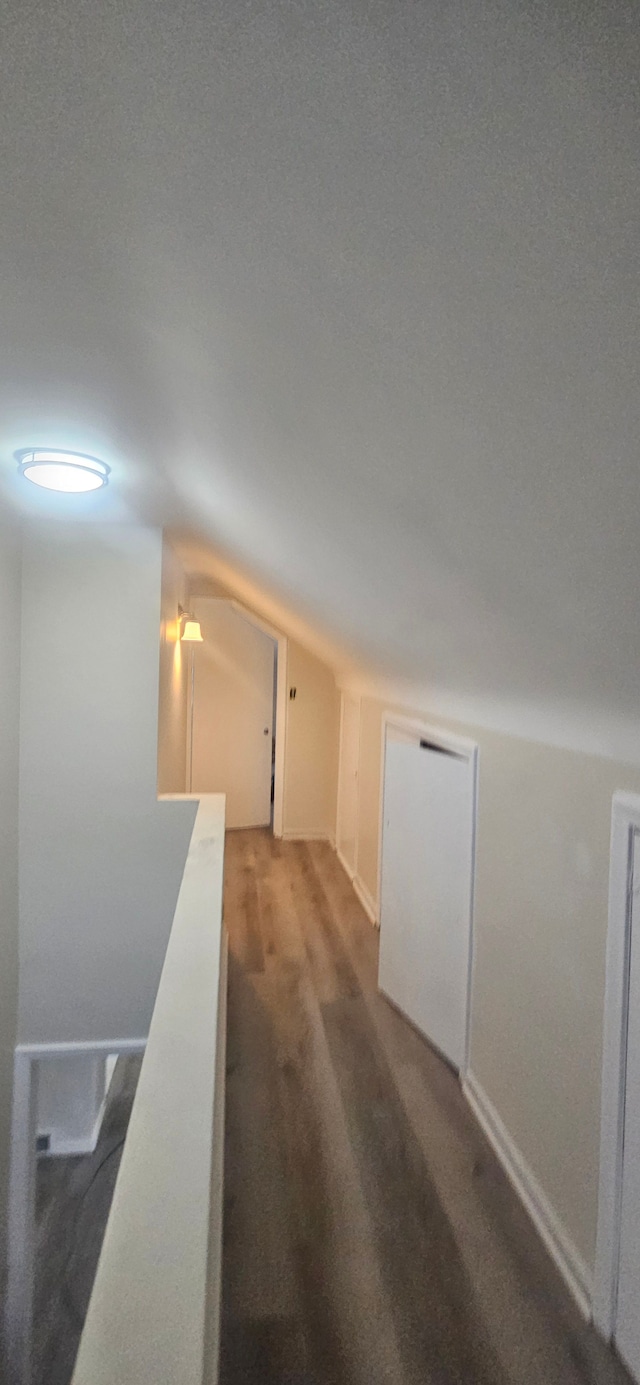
(426, 887)
(233, 713)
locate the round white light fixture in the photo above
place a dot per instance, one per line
(56, 470)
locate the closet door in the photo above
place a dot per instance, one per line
(426, 897)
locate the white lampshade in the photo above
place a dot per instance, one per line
(192, 630)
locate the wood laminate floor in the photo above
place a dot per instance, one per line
(370, 1236)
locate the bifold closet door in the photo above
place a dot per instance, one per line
(427, 865)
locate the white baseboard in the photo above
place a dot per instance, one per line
(566, 1257)
(306, 837)
(366, 899)
(345, 864)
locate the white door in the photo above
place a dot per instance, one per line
(233, 713)
(627, 1330)
(427, 871)
(348, 781)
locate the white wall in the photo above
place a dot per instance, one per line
(542, 868)
(101, 859)
(311, 761)
(9, 722)
(174, 668)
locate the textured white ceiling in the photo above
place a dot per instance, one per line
(350, 290)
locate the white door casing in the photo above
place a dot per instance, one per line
(615, 1254)
(627, 1325)
(347, 817)
(233, 709)
(428, 832)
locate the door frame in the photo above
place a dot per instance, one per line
(352, 872)
(282, 675)
(282, 681)
(468, 750)
(625, 822)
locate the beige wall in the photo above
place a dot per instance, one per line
(9, 724)
(542, 871)
(311, 755)
(174, 668)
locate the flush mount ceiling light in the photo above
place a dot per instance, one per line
(56, 470)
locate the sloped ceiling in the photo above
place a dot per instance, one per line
(348, 291)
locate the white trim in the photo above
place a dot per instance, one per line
(383, 752)
(110, 1063)
(279, 781)
(22, 1184)
(366, 899)
(339, 796)
(625, 821)
(282, 688)
(348, 870)
(563, 1252)
(472, 913)
(416, 726)
(469, 750)
(81, 1047)
(294, 836)
(351, 870)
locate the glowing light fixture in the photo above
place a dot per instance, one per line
(55, 470)
(191, 633)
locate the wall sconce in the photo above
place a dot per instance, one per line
(191, 633)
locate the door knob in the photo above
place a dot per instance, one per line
(266, 731)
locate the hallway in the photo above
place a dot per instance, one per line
(370, 1236)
